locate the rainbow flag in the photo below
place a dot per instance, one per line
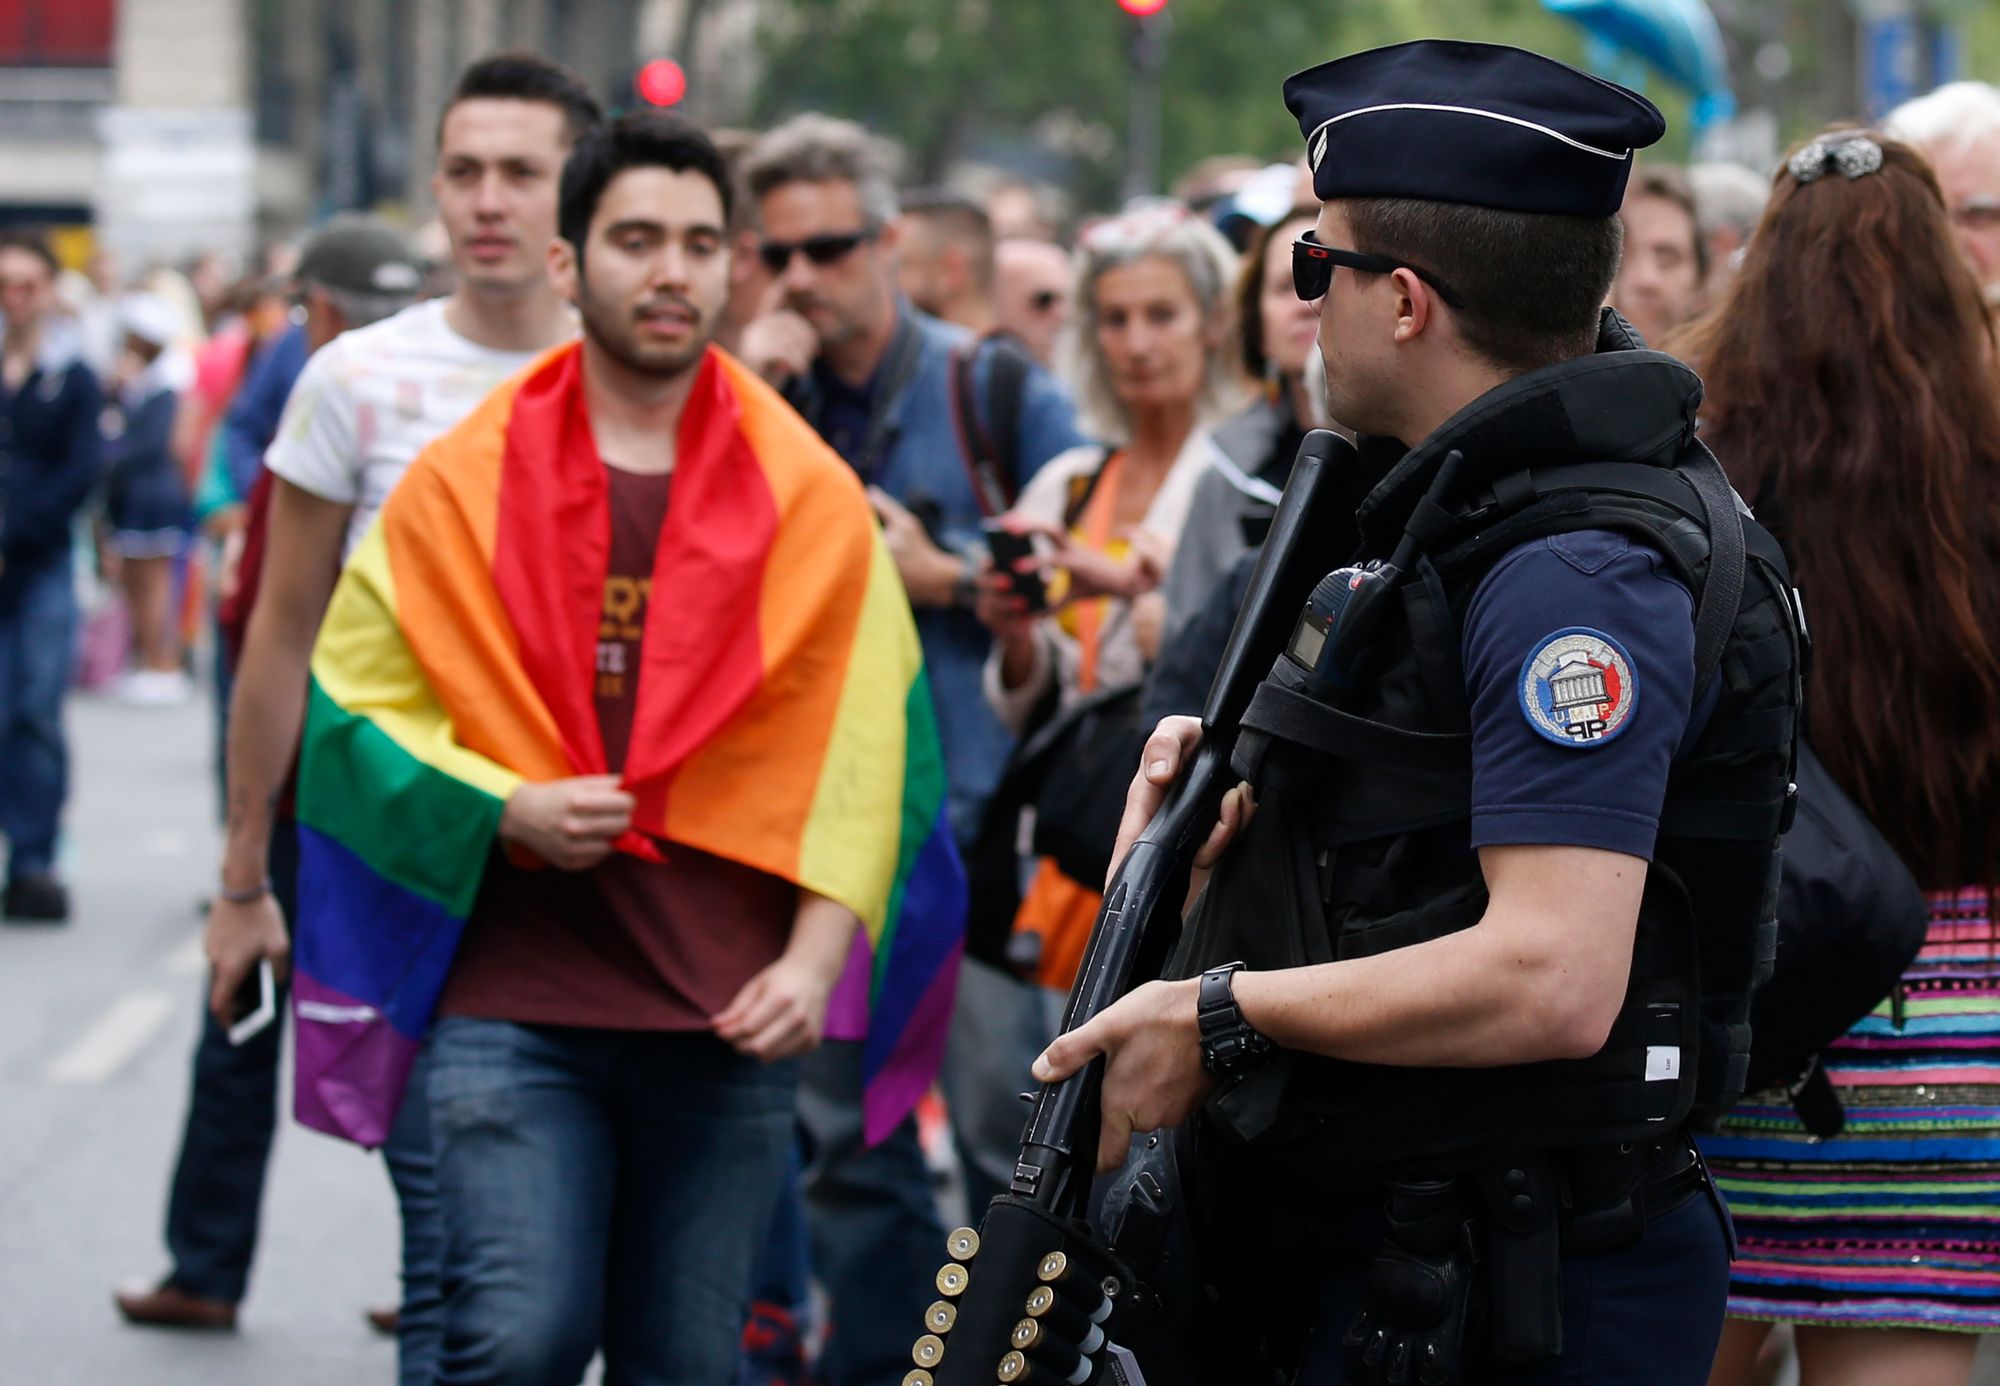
(783, 720)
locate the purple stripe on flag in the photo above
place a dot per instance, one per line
(352, 1064)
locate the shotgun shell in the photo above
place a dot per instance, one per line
(919, 1377)
(963, 1244)
(1013, 1367)
(1026, 1334)
(929, 1350)
(1054, 1269)
(952, 1280)
(940, 1317)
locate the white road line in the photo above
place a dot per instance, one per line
(188, 960)
(114, 1040)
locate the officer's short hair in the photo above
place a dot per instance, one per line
(523, 76)
(814, 148)
(1532, 282)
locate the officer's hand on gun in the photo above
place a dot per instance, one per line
(1171, 744)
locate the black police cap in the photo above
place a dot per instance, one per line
(1474, 123)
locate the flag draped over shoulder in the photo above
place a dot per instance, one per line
(783, 719)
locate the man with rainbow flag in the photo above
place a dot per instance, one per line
(618, 848)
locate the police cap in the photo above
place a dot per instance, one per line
(1473, 123)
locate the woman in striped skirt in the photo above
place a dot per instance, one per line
(1852, 393)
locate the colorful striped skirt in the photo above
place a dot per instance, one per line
(1895, 1222)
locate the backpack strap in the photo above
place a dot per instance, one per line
(988, 438)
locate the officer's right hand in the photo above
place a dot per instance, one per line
(239, 936)
(570, 824)
(1171, 744)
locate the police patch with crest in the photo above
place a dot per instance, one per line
(1578, 687)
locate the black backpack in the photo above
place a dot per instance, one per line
(1851, 918)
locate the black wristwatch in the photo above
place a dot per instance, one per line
(1229, 1046)
(965, 588)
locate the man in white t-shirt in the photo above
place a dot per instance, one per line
(363, 408)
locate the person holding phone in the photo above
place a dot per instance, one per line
(1151, 356)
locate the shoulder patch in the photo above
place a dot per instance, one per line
(1578, 687)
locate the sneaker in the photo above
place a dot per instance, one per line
(38, 898)
(155, 688)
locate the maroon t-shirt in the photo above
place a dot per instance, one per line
(628, 944)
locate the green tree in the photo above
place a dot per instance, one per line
(949, 77)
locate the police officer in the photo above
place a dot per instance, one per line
(1483, 922)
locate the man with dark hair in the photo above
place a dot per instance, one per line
(363, 408)
(1665, 268)
(650, 940)
(49, 456)
(1453, 999)
(946, 267)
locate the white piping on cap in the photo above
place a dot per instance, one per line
(1320, 132)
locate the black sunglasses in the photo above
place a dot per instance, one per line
(821, 250)
(1313, 265)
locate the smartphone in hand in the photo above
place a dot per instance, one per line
(255, 1004)
(1008, 549)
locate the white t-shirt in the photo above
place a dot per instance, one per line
(370, 400)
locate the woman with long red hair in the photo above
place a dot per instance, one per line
(1852, 395)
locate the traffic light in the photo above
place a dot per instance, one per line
(661, 82)
(1141, 8)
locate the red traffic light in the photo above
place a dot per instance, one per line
(662, 83)
(1142, 8)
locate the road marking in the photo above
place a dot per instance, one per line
(187, 960)
(114, 1040)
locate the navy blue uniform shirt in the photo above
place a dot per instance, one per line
(1579, 667)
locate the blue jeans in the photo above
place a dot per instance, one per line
(877, 1240)
(38, 620)
(218, 1184)
(601, 1188)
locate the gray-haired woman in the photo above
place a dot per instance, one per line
(1149, 359)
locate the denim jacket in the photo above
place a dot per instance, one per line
(918, 460)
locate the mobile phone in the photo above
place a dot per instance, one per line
(1009, 548)
(255, 1004)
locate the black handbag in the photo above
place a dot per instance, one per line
(1072, 774)
(1851, 919)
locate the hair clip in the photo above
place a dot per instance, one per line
(1852, 153)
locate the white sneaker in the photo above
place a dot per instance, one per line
(155, 688)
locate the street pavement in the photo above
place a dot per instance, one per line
(97, 1027)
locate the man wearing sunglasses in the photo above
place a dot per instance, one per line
(1033, 290)
(1442, 1014)
(888, 387)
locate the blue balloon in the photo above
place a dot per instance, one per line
(1679, 39)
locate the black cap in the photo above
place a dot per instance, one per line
(1473, 123)
(361, 255)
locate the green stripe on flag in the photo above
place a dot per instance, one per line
(923, 796)
(413, 825)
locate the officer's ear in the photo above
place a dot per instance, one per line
(1416, 306)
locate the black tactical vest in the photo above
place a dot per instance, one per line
(1361, 844)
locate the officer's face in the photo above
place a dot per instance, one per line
(1357, 336)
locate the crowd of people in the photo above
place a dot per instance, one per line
(641, 1109)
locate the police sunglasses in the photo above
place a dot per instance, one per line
(1313, 265)
(821, 250)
